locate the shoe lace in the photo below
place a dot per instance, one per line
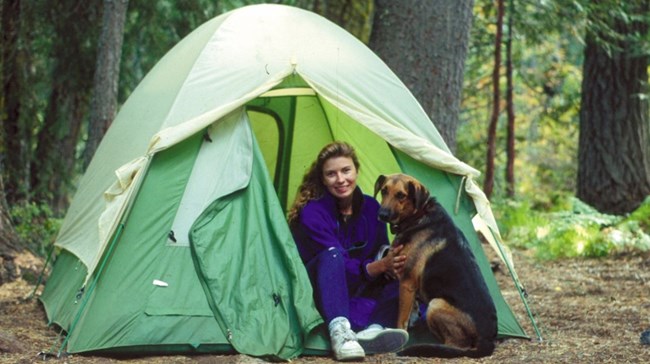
(345, 333)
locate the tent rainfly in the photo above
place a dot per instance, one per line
(176, 239)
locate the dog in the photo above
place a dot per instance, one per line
(440, 270)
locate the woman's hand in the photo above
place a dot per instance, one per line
(391, 265)
(394, 262)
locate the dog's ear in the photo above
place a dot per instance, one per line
(379, 183)
(418, 194)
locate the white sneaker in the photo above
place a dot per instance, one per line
(344, 342)
(376, 339)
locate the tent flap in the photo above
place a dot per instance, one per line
(237, 245)
(223, 165)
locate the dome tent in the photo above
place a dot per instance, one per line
(176, 240)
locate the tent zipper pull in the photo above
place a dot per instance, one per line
(171, 236)
(229, 335)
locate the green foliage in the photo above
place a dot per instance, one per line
(577, 232)
(35, 225)
(547, 84)
(641, 215)
(547, 59)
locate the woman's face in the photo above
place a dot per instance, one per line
(340, 177)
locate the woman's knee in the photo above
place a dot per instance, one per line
(328, 264)
(330, 257)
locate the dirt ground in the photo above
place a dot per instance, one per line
(588, 311)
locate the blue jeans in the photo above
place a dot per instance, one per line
(373, 302)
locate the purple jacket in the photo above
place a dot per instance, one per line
(321, 227)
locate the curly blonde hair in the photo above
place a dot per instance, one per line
(312, 187)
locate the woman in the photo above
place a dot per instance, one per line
(342, 244)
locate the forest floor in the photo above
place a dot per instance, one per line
(588, 311)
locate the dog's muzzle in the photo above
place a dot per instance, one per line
(385, 214)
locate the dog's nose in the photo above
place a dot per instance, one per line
(383, 214)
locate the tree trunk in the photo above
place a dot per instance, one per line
(510, 102)
(9, 244)
(614, 144)
(107, 73)
(73, 58)
(52, 172)
(488, 183)
(12, 137)
(425, 43)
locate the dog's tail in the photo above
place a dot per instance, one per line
(484, 348)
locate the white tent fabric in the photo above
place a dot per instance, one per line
(232, 143)
(219, 68)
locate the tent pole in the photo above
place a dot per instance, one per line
(40, 276)
(118, 233)
(522, 294)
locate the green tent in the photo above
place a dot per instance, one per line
(176, 239)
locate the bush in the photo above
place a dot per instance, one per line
(35, 225)
(580, 232)
(642, 215)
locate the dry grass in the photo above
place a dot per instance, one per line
(589, 311)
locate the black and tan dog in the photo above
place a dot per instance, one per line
(440, 271)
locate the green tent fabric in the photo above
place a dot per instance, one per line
(238, 243)
(176, 240)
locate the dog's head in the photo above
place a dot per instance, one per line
(402, 196)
